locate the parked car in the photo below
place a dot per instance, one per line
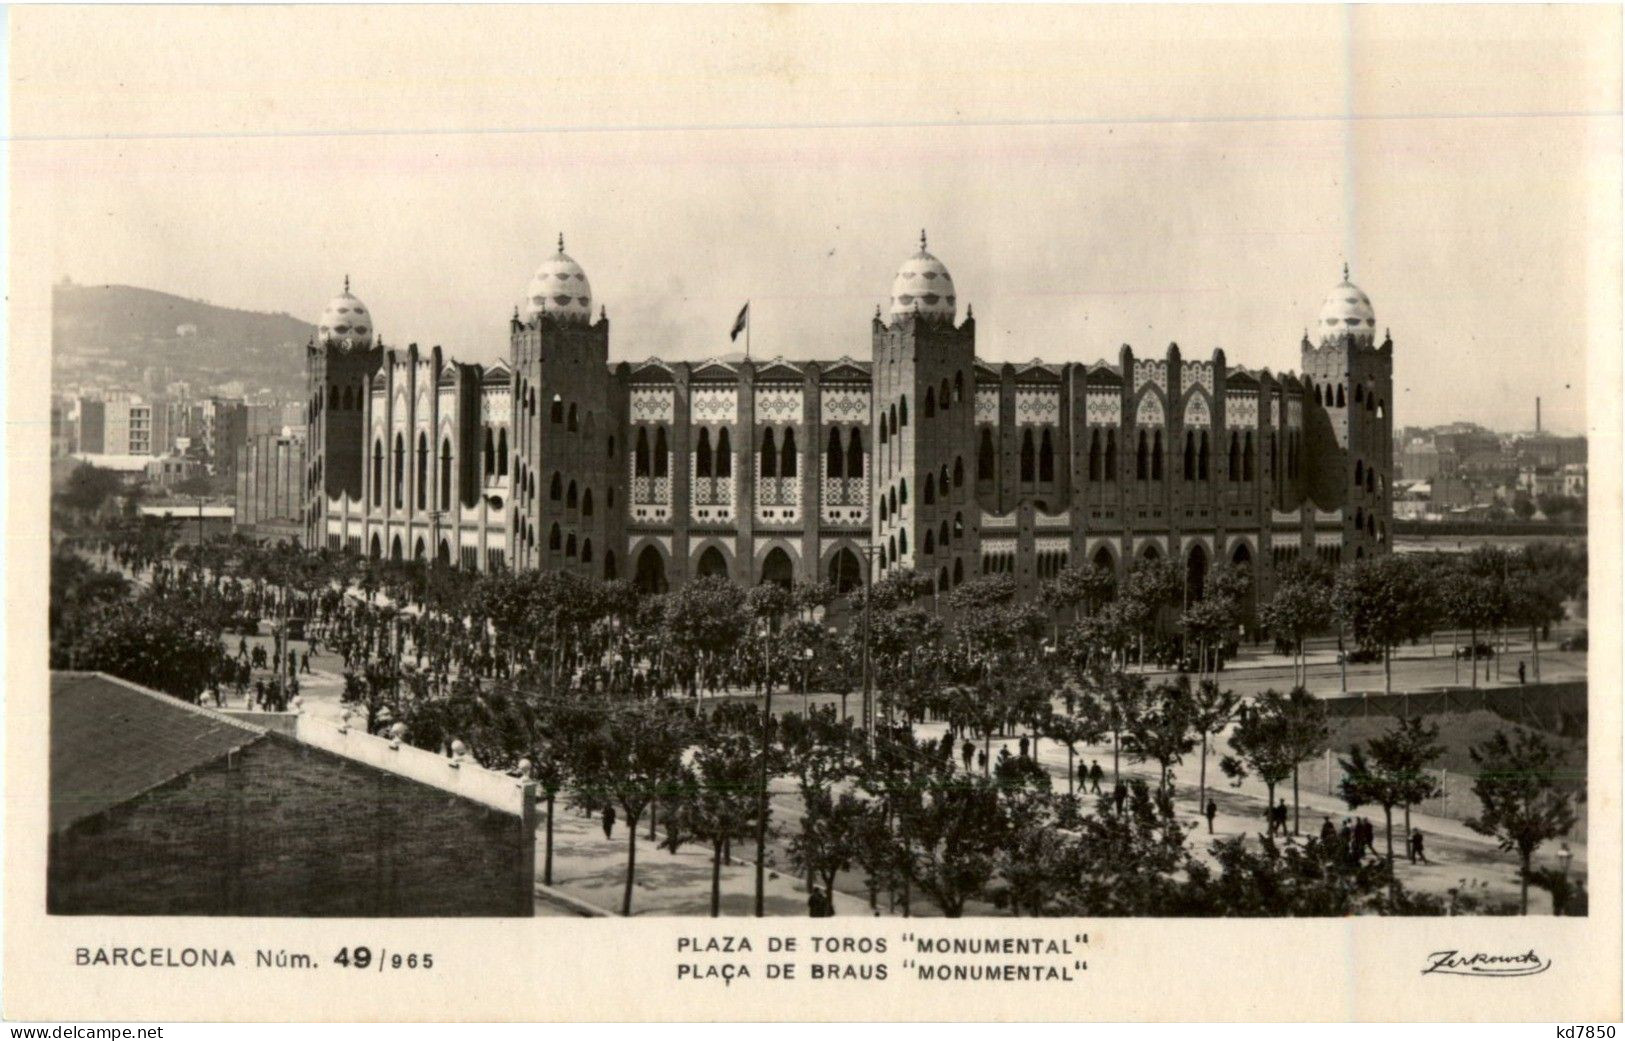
(1475, 651)
(1577, 642)
(1362, 655)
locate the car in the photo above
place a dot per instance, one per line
(1362, 655)
(1475, 651)
(1577, 642)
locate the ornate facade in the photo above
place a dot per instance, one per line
(792, 470)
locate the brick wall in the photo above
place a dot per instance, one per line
(288, 830)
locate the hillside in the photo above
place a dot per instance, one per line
(109, 335)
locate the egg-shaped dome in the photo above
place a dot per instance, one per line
(559, 289)
(923, 286)
(346, 322)
(1347, 310)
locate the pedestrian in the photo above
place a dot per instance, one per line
(1024, 746)
(609, 820)
(1416, 847)
(1119, 793)
(981, 760)
(1347, 836)
(1370, 831)
(968, 752)
(1096, 775)
(1328, 832)
(1520, 673)
(1210, 811)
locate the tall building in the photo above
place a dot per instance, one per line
(920, 455)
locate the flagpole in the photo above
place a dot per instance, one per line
(747, 330)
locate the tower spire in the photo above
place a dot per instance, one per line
(922, 240)
(561, 242)
(1345, 271)
(346, 283)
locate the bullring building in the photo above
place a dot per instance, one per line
(914, 452)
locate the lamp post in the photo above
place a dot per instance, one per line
(868, 550)
(806, 667)
(761, 793)
(1565, 856)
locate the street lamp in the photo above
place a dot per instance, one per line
(806, 667)
(1565, 856)
(868, 550)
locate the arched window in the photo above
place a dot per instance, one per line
(1247, 453)
(555, 538)
(1190, 455)
(942, 480)
(377, 474)
(1359, 471)
(854, 454)
(1382, 408)
(928, 491)
(930, 542)
(571, 498)
(883, 513)
(770, 455)
(1235, 456)
(1046, 457)
(1027, 456)
(1359, 519)
(609, 451)
(959, 386)
(557, 414)
(1109, 466)
(1142, 460)
(555, 491)
(662, 460)
(1317, 394)
(423, 471)
(787, 454)
(959, 470)
(1341, 402)
(1359, 393)
(943, 401)
(883, 435)
(1094, 455)
(902, 416)
(959, 572)
(1275, 460)
(586, 551)
(571, 424)
(586, 502)
(894, 501)
(930, 407)
(1371, 480)
(445, 473)
(725, 456)
(400, 472)
(959, 526)
(834, 458)
(490, 453)
(985, 457)
(902, 542)
(502, 451)
(640, 458)
(1156, 455)
(702, 454)
(942, 534)
(902, 491)
(894, 421)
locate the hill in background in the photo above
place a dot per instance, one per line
(109, 336)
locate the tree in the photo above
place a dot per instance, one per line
(1212, 710)
(820, 749)
(1116, 698)
(1300, 608)
(1162, 732)
(1307, 734)
(1262, 743)
(1524, 803)
(1385, 601)
(714, 801)
(88, 488)
(829, 840)
(633, 754)
(1394, 774)
(149, 641)
(1208, 623)
(1073, 729)
(1469, 600)
(952, 827)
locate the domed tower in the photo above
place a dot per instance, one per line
(566, 448)
(339, 361)
(923, 393)
(1350, 381)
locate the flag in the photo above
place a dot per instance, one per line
(740, 323)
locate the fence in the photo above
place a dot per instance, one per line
(1558, 708)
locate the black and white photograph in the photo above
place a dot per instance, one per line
(489, 483)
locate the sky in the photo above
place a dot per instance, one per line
(1134, 188)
